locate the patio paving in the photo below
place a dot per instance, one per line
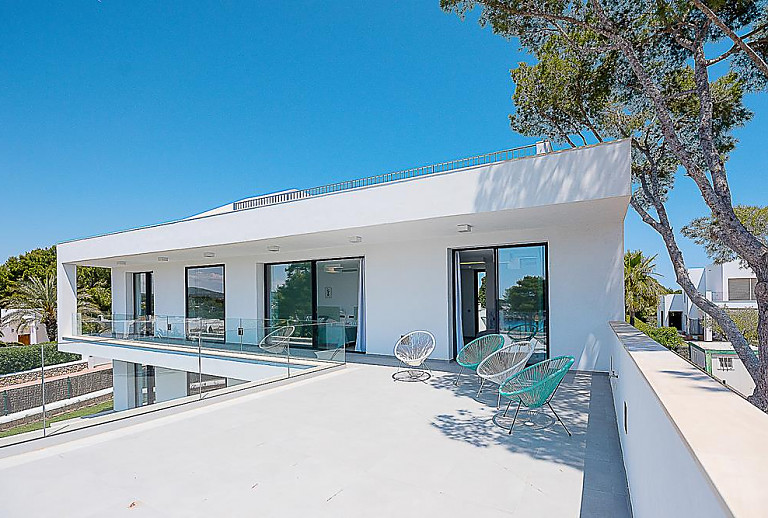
(347, 443)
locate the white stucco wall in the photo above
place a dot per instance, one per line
(691, 447)
(575, 201)
(738, 378)
(408, 285)
(169, 384)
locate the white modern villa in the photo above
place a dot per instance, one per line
(358, 264)
(253, 374)
(726, 284)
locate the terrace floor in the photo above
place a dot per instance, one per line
(347, 443)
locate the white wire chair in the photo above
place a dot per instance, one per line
(412, 350)
(505, 362)
(276, 342)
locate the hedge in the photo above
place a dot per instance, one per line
(27, 357)
(667, 336)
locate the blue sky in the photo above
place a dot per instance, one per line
(117, 115)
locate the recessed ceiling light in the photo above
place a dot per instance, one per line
(162, 259)
(273, 248)
(464, 228)
(121, 263)
(355, 239)
(209, 254)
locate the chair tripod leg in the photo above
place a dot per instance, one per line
(506, 409)
(482, 382)
(498, 401)
(558, 418)
(515, 418)
(458, 376)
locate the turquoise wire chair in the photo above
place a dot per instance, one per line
(522, 332)
(476, 351)
(535, 386)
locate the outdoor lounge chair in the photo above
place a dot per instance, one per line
(505, 362)
(276, 342)
(522, 332)
(413, 350)
(476, 351)
(535, 386)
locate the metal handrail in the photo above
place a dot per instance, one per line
(442, 167)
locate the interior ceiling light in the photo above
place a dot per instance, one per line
(355, 239)
(273, 248)
(209, 254)
(464, 228)
(162, 259)
(333, 268)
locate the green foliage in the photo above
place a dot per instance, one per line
(562, 91)
(293, 299)
(745, 319)
(94, 287)
(481, 291)
(27, 357)
(641, 289)
(35, 301)
(704, 231)
(666, 336)
(28, 282)
(526, 295)
(35, 263)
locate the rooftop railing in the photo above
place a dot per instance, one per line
(442, 167)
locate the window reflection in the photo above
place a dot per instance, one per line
(522, 292)
(205, 300)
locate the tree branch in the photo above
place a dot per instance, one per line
(737, 40)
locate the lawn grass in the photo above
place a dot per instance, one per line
(37, 425)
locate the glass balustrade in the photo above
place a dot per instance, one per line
(185, 360)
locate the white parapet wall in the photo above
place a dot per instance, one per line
(691, 447)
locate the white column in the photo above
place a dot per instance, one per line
(169, 384)
(124, 385)
(66, 298)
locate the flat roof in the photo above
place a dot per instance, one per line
(715, 346)
(349, 443)
(427, 171)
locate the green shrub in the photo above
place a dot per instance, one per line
(11, 344)
(669, 337)
(26, 357)
(745, 319)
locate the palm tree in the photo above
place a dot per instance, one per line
(34, 301)
(641, 289)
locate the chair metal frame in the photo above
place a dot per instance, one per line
(413, 360)
(543, 388)
(277, 341)
(503, 363)
(473, 354)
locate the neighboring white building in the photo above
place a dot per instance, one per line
(720, 361)
(380, 256)
(30, 333)
(727, 285)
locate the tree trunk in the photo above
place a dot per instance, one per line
(52, 328)
(759, 397)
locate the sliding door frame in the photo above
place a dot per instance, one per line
(457, 296)
(313, 276)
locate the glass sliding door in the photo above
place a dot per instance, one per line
(327, 294)
(143, 303)
(502, 290)
(337, 301)
(142, 295)
(522, 292)
(205, 302)
(290, 291)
